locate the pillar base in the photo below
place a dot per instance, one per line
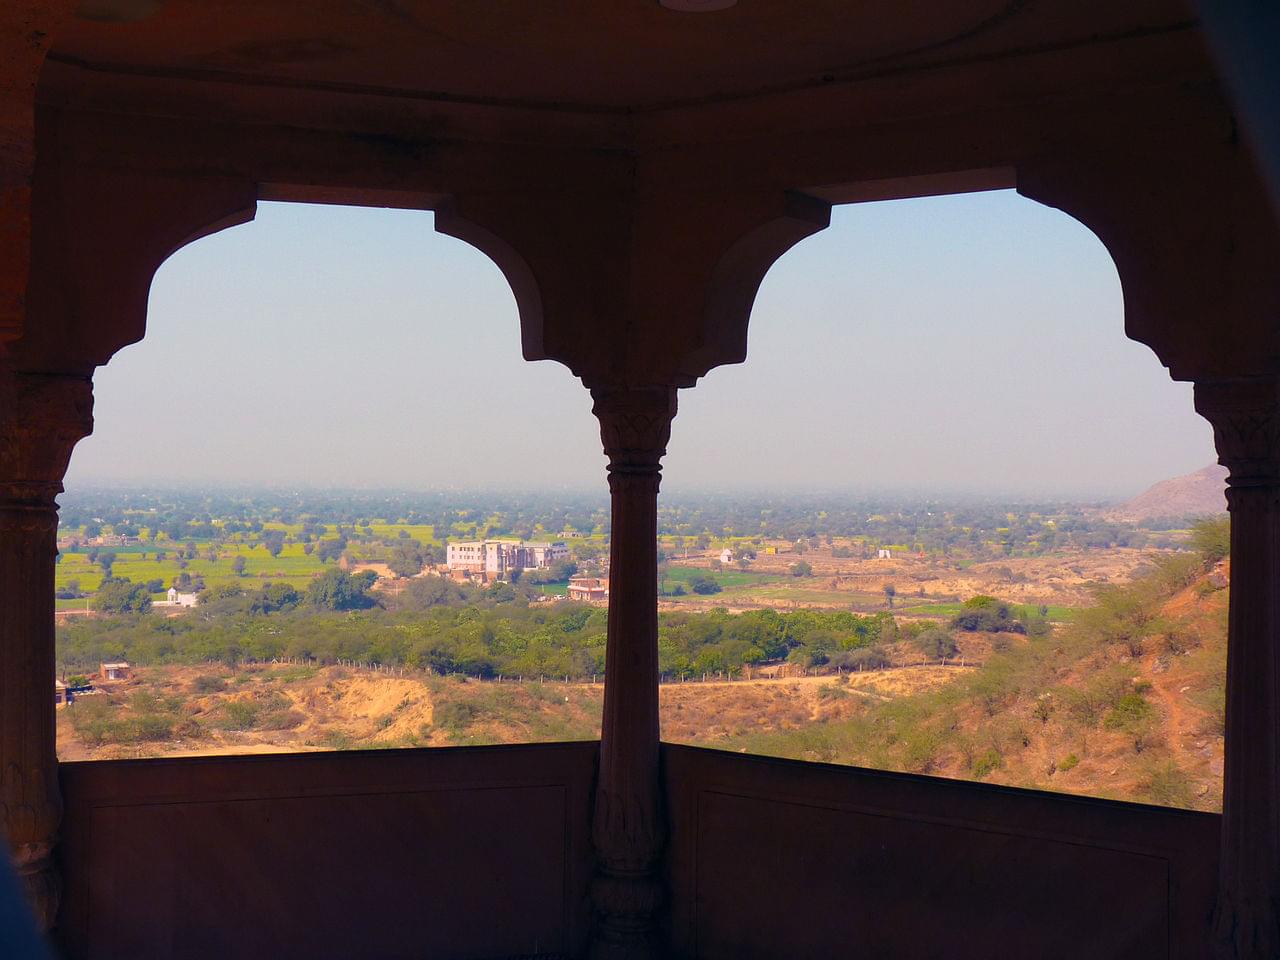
(33, 862)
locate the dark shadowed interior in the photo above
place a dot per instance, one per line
(634, 171)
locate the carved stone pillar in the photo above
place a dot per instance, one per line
(628, 827)
(1245, 415)
(41, 418)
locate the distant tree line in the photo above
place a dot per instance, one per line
(335, 522)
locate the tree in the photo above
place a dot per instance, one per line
(890, 591)
(273, 540)
(274, 597)
(983, 613)
(105, 560)
(937, 643)
(339, 590)
(1212, 538)
(121, 596)
(223, 591)
(705, 585)
(328, 550)
(802, 569)
(238, 565)
(405, 559)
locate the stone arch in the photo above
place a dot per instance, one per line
(513, 266)
(99, 237)
(1195, 249)
(736, 277)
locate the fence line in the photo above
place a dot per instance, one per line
(746, 674)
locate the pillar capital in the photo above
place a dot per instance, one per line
(635, 425)
(1245, 415)
(42, 417)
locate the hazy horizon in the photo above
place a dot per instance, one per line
(967, 346)
(161, 485)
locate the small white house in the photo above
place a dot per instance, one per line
(883, 554)
(726, 555)
(176, 599)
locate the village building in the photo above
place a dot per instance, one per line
(115, 671)
(883, 554)
(589, 589)
(726, 555)
(61, 695)
(498, 559)
(112, 540)
(175, 599)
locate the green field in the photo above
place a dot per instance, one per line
(424, 533)
(726, 578)
(140, 565)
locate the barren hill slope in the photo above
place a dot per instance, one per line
(1196, 494)
(1125, 701)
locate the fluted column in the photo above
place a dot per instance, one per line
(1245, 415)
(41, 418)
(628, 827)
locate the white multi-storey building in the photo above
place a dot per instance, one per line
(498, 558)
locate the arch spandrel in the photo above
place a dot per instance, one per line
(26, 32)
(1194, 242)
(629, 291)
(99, 237)
(736, 277)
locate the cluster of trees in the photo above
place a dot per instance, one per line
(704, 585)
(988, 615)
(558, 572)
(449, 627)
(717, 640)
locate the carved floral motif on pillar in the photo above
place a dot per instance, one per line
(41, 418)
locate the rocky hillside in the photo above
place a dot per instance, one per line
(1199, 494)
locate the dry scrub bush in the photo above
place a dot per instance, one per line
(1168, 786)
(208, 684)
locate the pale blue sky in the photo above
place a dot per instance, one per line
(969, 343)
